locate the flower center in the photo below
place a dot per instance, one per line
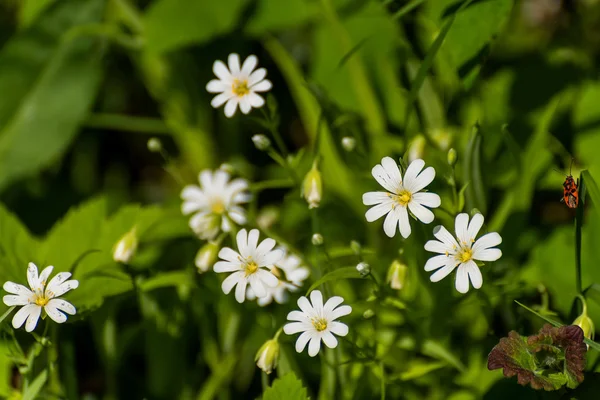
(41, 300)
(465, 255)
(277, 272)
(320, 324)
(217, 207)
(403, 198)
(251, 267)
(240, 88)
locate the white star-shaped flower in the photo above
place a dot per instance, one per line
(215, 203)
(238, 86)
(462, 253)
(402, 195)
(291, 273)
(250, 266)
(317, 322)
(40, 296)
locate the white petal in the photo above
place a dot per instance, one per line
(392, 170)
(231, 281)
(487, 254)
(256, 77)
(15, 300)
(437, 247)
(461, 228)
(267, 278)
(62, 305)
(371, 198)
(390, 222)
(262, 86)
(217, 86)
(306, 307)
(249, 64)
(265, 247)
(294, 327)
(314, 346)
(43, 278)
(427, 199)
(423, 214)
(221, 99)
(62, 288)
(255, 100)
(316, 299)
(240, 290)
(231, 106)
(338, 328)
(403, 222)
(17, 289)
(245, 105)
(234, 64)
(206, 178)
(378, 211)
(474, 274)
(21, 315)
(411, 173)
(340, 312)
(474, 226)
(332, 303)
(486, 241)
(221, 71)
(257, 286)
(436, 262)
(226, 266)
(445, 237)
(242, 243)
(237, 215)
(422, 180)
(329, 340)
(228, 254)
(32, 318)
(297, 316)
(443, 272)
(384, 180)
(57, 281)
(253, 236)
(271, 257)
(302, 341)
(462, 279)
(55, 314)
(32, 276)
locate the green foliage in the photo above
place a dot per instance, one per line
(287, 387)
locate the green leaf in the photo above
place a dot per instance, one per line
(418, 368)
(287, 388)
(32, 391)
(6, 314)
(475, 191)
(435, 349)
(171, 24)
(592, 186)
(52, 84)
(167, 279)
(407, 8)
(277, 15)
(340, 273)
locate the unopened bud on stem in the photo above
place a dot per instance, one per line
(268, 356)
(312, 187)
(126, 247)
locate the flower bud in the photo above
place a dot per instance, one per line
(585, 323)
(312, 187)
(452, 157)
(396, 275)
(227, 168)
(154, 145)
(261, 142)
(126, 247)
(317, 239)
(363, 269)
(206, 257)
(348, 143)
(267, 356)
(416, 148)
(356, 247)
(368, 313)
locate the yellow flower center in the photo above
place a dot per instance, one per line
(240, 88)
(320, 324)
(403, 198)
(251, 267)
(41, 301)
(217, 207)
(275, 271)
(465, 255)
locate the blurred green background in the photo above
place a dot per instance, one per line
(511, 85)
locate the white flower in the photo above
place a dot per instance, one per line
(238, 85)
(215, 203)
(37, 298)
(291, 273)
(126, 247)
(463, 253)
(249, 266)
(400, 195)
(317, 322)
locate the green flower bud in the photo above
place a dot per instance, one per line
(368, 313)
(356, 247)
(317, 239)
(312, 187)
(585, 323)
(452, 157)
(126, 247)
(348, 143)
(206, 257)
(227, 168)
(154, 145)
(261, 142)
(397, 274)
(268, 356)
(363, 269)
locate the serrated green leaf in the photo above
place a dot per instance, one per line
(36, 386)
(287, 388)
(52, 84)
(340, 273)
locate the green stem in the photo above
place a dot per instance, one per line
(271, 184)
(578, 226)
(382, 380)
(264, 380)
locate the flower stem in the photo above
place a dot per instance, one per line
(382, 380)
(264, 380)
(578, 226)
